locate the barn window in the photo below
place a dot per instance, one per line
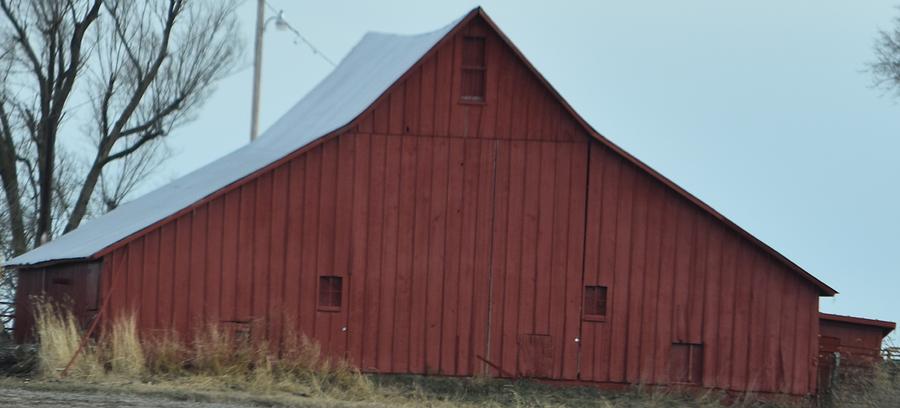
(330, 292)
(473, 69)
(686, 363)
(61, 281)
(595, 302)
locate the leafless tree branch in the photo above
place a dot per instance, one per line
(885, 69)
(140, 69)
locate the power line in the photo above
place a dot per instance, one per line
(300, 36)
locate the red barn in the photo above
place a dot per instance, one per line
(434, 206)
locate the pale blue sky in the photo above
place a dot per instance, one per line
(760, 108)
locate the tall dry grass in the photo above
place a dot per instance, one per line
(214, 357)
(875, 386)
(59, 337)
(125, 352)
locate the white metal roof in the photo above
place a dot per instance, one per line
(370, 68)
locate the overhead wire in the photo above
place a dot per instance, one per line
(301, 37)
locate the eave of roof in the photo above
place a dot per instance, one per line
(886, 326)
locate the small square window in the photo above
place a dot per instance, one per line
(330, 292)
(595, 302)
(473, 69)
(686, 363)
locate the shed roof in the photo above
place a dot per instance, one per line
(370, 69)
(886, 327)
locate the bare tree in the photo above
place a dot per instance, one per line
(886, 67)
(89, 89)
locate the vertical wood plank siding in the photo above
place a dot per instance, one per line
(462, 231)
(750, 313)
(74, 285)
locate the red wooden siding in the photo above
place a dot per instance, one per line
(676, 275)
(73, 285)
(464, 234)
(427, 100)
(431, 200)
(452, 249)
(857, 340)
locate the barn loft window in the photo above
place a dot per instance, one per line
(330, 293)
(473, 69)
(686, 363)
(595, 302)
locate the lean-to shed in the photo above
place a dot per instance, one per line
(858, 341)
(434, 206)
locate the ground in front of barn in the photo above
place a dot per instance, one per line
(388, 391)
(23, 397)
(216, 369)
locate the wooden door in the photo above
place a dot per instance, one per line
(537, 256)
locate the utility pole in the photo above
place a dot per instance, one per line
(280, 24)
(257, 65)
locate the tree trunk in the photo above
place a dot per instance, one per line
(45, 184)
(10, 179)
(87, 190)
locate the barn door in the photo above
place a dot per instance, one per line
(536, 266)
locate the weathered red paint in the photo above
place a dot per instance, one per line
(464, 234)
(72, 285)
(857, 340)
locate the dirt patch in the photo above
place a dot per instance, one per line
(17, 397)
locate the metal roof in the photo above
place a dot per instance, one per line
(371, 67)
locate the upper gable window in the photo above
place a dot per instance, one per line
(473, 69)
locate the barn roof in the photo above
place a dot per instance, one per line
(370, 68)
(368, 71)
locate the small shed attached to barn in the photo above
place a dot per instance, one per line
(434, 206)
(858, 341)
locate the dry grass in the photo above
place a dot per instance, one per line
(126, 354)
(214, 360)
(165, 355)
(217, 366)
(877, 386)
(59, 336)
